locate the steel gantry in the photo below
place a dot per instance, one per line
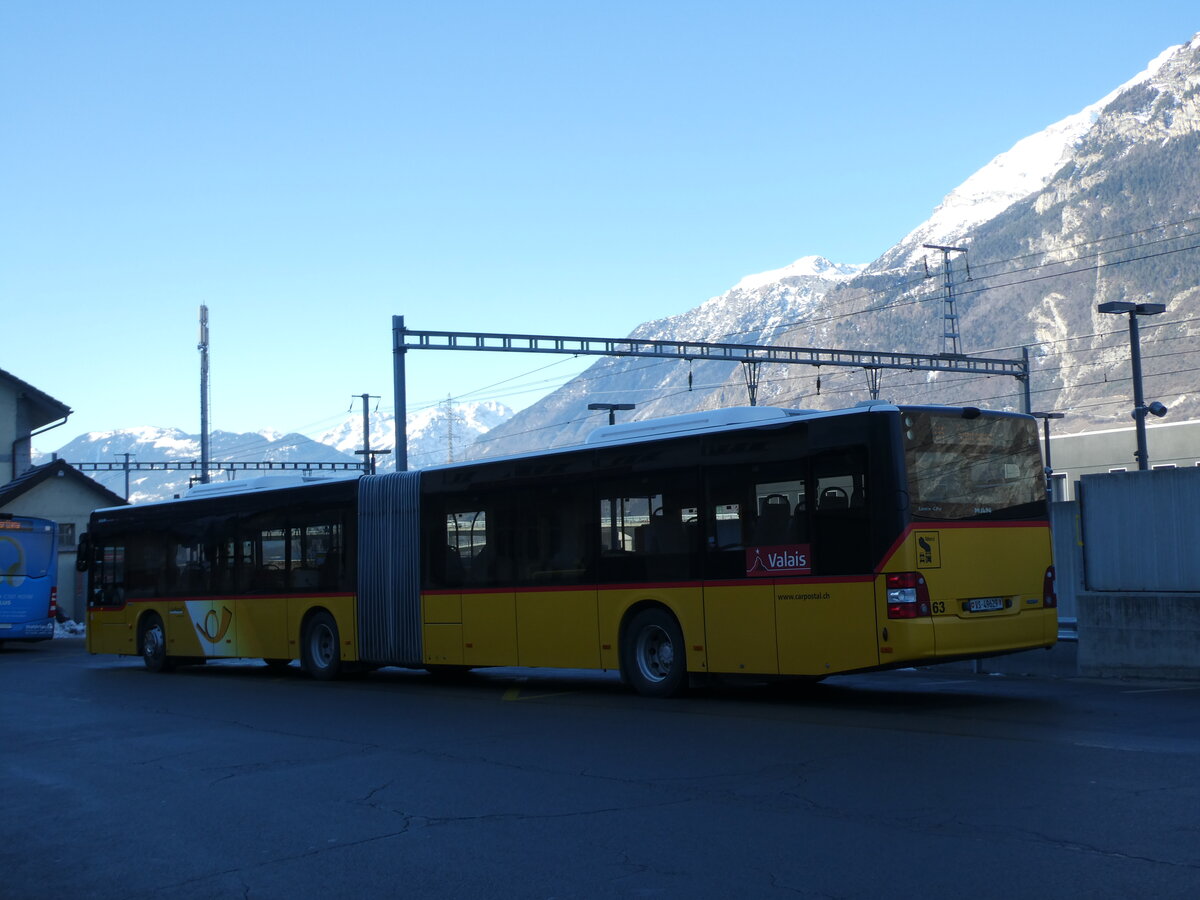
(749, 355)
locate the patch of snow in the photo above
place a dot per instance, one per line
(805, 267)
(69, 629)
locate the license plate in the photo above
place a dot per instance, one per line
(985, 604)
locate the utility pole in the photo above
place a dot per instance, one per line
(950, 341)
(203, 348)
(126, 468)
(366, 452)
(400, 391)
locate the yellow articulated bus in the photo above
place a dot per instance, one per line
(748, 541)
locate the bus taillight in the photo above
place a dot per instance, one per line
(907, 596)
(53, 614)
(1049, 595)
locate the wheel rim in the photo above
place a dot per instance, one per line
(655, 654)
(153, 646)
(321, 646)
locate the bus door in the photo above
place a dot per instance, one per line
(825, 604)
(250, 569)
(748, 523)
(477, 627)
(554, 561)
(109, 618)
(196, 623)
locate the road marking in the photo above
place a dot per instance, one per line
(514, 693)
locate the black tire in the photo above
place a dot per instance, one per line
(321, 648)
(152, 644)
(653, 657)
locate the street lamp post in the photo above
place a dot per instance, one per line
(612, 408)
(1135, 354)
(1046, 417)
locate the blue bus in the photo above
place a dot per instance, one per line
(28, 578)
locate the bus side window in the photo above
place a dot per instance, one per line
(554, 546)
(649, 528)
(458, 536)
(841, 523)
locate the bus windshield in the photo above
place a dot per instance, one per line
(987, 467)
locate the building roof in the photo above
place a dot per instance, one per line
(44, 409)
(57, 469)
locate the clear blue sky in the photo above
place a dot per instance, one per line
(309, 170)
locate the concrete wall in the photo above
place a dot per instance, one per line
(1139, 634)
(1139, 610)
(1141, 531)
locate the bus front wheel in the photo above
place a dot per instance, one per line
(153, 645)
(653, 658)
(322, 647)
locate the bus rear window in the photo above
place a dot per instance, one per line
(26, 553)
(988, 467)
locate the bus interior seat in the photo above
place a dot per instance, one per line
(728, 533)
(775, 515)
(664, 535)
(798, 527)
(833, 498)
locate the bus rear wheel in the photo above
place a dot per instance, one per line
(152, 642)
(321, 647)
(653, 658)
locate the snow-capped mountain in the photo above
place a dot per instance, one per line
(1016, 173)
(1098, 206)
(759, 309)
(148, 444)
(434, 436)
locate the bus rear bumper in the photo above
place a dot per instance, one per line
(960, 637)
(40, 630)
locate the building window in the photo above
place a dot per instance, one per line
(66, 534)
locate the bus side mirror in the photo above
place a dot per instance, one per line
(83, 555)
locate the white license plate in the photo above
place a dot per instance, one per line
(985, 604)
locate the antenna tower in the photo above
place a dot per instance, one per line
(203, 348)
(950, 341)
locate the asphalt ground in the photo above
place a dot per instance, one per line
(230, 780)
